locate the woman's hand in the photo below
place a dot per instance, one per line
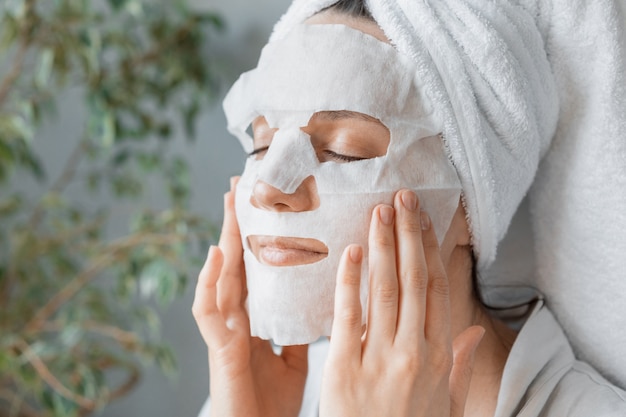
(406, 363)
(247, 378)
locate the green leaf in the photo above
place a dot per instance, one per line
(14, 125)
(213, 19)
(44, 69)
(190, 115)
(92, 41)
(8, 31)
(62, 407)
(149, 162)
(147, 318)
(121, 156)
(125, 185)
(71, 335)
(117, 4)
(166, 360)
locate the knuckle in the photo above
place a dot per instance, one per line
(416, 279)
(439, 285)
(411, 363)
(384, 241)
(350, 317)
(411, 225)
(386, 293)
(351, 279)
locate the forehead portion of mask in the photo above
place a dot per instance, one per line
(330, 68)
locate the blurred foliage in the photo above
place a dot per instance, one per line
(77, 306)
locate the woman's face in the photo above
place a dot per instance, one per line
(339, 125)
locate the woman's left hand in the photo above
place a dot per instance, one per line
(406, 363)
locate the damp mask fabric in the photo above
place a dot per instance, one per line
(330, 68)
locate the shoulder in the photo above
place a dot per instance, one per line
(583, 392)
(543, 378)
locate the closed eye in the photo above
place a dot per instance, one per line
(342, 158)
(328, 155)
(258, 151)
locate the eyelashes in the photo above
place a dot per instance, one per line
(328, 155)
(343, 158)
(258, 151)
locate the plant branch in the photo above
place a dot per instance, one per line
(45, 374)
(124, 337)
(92, 271)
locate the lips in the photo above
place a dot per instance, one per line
(286, 251)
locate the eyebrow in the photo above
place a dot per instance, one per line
(345, 114)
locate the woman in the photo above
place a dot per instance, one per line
(430, 348)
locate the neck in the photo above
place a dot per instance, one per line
(493, 351)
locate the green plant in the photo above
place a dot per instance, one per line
(77, 304)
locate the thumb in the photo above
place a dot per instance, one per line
(463, 348)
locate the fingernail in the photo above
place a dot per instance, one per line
(425, 220)
(409, 199)
(233, 181)
(356, 254)
(386, 214)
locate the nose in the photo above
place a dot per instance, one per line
(305, 198)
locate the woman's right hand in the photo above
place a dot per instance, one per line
(406, 363)
(246, 377)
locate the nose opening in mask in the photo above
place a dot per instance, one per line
(289, 161)
(304, 198)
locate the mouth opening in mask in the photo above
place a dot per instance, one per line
(282, 251)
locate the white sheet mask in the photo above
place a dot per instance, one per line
(330, 68)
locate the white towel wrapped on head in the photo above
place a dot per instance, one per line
(485, 65)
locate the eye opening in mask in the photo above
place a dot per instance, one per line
(337, 136)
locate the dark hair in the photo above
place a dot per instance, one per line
(354, 8)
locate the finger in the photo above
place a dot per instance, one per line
(464, 349)
(383, 285)
(230, 287)
(205, 310)
(230, 228)
(437, 320)
(346, 331)
(412, 269)
(296, 357)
